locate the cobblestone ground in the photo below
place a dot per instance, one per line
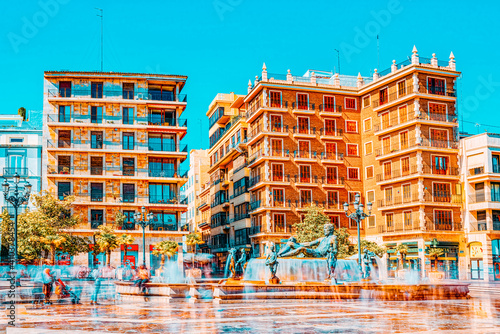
(480, 314)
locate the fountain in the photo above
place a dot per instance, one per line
(305, 270)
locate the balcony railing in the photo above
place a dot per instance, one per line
(117, 93)
(116, 171)
(409, 226)
(304, 130)
(414, 143)
(435, 90)
(410, 116)
(330, 108)
(304, 155)
(303, 106)
(151, 119)
(331, 132)
(128, 198)
(391, 97)
(11, 171)
(331, 156)
(116, 145)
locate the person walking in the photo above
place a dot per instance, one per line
(97, 274)
(48, 282)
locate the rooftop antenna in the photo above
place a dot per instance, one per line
(378, 53)
(338, 59)
(101, 15)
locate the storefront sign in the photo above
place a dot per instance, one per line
(476, 251)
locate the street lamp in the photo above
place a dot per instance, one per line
(358, 215)
(143, 220)
(16, 199)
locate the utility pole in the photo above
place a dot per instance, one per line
(101, 15)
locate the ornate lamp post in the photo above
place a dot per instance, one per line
(358, 215)
(16, 199)
(143, 220)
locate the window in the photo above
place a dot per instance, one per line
(387, 170)
(162, 117)
(407, 218)
(64, 140)
(331, 175)
(385, 120)
(128, 193)
(162, 142)
(406, 192)
(405, 166)
(163, 193)
(441, 192)
(331, 151)
(63, 164)
(366, 101)
(241, 211)
(305, 173)
(371, 221)
(353, 173)
(403, 114)
(329, 102)
(352, 150)
(128, 167)
(330, 127)
(403, 140)
(369, 172)
(303, 125)
(96, 192)
(96, 90)
(351, 126)
(164, 221)
(495, 192)
(389, 220)
(388, 195)
(64, 88)
(96, 166)
(96, 139)
(64, 114)
(350, 103)
(96, 114)
(386, 144)
(162, 167)
(128, 90)
(352, 196)
(401, 88)
(276, 125)
(16, 140)
(279, 222)
(277, 147)
(63, 189)
(368, 148)
(443, 220)
(335, 221)
(240, 187)
(129, 223)
(128, 115)
(278, 197)
(479, 192)
(275, 99)
(96, 218)
(305, 197)
(440, 165)
(495, 159)
(128, 141)
(383, 98)
(302, 101)
(439, 138)
(368, 124)
(277, 172)
(304, 148)
(370, 196)
(332, 198)
(435, 86)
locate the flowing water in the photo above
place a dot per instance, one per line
(171, 273)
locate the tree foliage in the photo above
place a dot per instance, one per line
(22, 112)
(434, 252)
(165, 248)
(106, 241)
(120, 218)
(125, 240)
(311, 227)
(371, 246)
(193, 239)
(74, 245)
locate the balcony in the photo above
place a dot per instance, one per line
(402, 121)
(330, 110)
(11, 171)
(386, 152)
(397, 174)
(110, 171)
(257, 107)
(94, 223)
(87, 93)
(330, 133)
(111, 120)
(435, 90)
(394, 96)
(255, 230)
(88, 145)
(442, 226)
(400, 227)
(218, 117)
(308, 132)
(331, 157)
(303, 108)
(304, 155)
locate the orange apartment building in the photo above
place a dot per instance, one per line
(323, 137)
(113, 141)
(229, 197)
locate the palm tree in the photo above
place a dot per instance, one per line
(194, 239)
(433, 253)
(165, 247)
(107, 241)
(22, 112)
(125, 239)
(402, 250)
(54, 241)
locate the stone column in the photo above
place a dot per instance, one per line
(264, 72)
(434, 60)
(451, 63)
(414, 57)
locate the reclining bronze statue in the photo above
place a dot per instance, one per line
(326, 247)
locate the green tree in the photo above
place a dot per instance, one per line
(434, 252)
(194, 239)
(54, 242)
(125, 239)
(74, 245)
(402, 250)
(371, 246)
(311, 227)
(344, 246)
(165, 248)
(120, 218)
(106, 241)
(22, 112)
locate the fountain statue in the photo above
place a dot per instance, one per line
(326, 247)
(272, 263)
(231, 259)
(367, 261)
(242, 262)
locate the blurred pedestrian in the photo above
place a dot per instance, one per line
(142, 278)
(97, 275)
(48, 283)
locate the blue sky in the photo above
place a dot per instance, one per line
(221, 44)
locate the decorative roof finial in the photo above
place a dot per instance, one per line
(414, 50)
(264, 67)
